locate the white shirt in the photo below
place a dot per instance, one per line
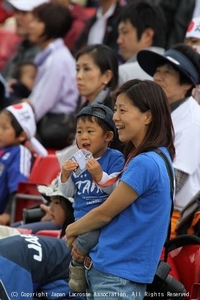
(97, 31)
(186, 121)
(132, 70)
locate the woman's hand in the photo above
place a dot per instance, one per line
(69, 236)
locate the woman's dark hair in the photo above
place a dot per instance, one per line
(148, 95)
(105, 58)
(15, 124)
(69, 212)
(57, 19)
(194, 57)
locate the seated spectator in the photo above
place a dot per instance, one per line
(26, 51)
(3, 13)
(178, 72)
(3, 94)
(141, 26)
(58, 211)
(25, 75)
(54, 96)
(97, 77)
(17, 125)
(9, 41)
(33, 253)
(102, 27)
(192, 38)
(79, 18)
(38, 267)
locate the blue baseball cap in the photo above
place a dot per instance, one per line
(149, 61)
(100, 111)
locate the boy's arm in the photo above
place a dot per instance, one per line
(67, 188)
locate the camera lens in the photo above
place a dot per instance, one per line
(32, 215)
(173, 288)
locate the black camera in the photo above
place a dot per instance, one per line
(32, 215)
(165, 286)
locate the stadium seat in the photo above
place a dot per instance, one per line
(52, 233)
(184, 255)
(44, 170)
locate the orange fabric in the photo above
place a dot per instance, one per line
(174, 220)
(195, 220)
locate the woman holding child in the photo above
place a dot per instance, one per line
(134, 219)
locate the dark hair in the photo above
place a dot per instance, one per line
(15, 124)
(148, 95)
(17, 73)
(94, 119)
(57, 19)
(194, 57)
(143, 15)
(105, 58)
(69, 212)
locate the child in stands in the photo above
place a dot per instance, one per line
(17, 126)
(95, 130)
(25, 75)
(49, 255)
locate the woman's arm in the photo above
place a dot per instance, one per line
(119, 199)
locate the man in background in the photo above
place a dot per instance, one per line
(141, 26)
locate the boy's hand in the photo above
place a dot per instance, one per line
(95, 169)
(68, 167)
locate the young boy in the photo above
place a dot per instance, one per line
(17, 125)
(94, 132)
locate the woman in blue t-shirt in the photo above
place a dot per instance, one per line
(134, 219)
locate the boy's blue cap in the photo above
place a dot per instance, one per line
(100, 111)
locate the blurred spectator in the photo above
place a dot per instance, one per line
(3, 93)
(97, 77)
(141, 26)
(25, 75)
(54, 96)
(178, 72)
(192, 38)
(26, 51)
(3, 13)
(17, 125)
(178, 15)
(79, 17)
(102, 28)
(9, 39)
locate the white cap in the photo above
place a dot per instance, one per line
(24, 115)
(194, 29)
(52, 190)
(24, 5)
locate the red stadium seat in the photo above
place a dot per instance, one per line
(52, 233)
(44, 170)
(185, 259)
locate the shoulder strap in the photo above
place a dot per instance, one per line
(171, 177)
